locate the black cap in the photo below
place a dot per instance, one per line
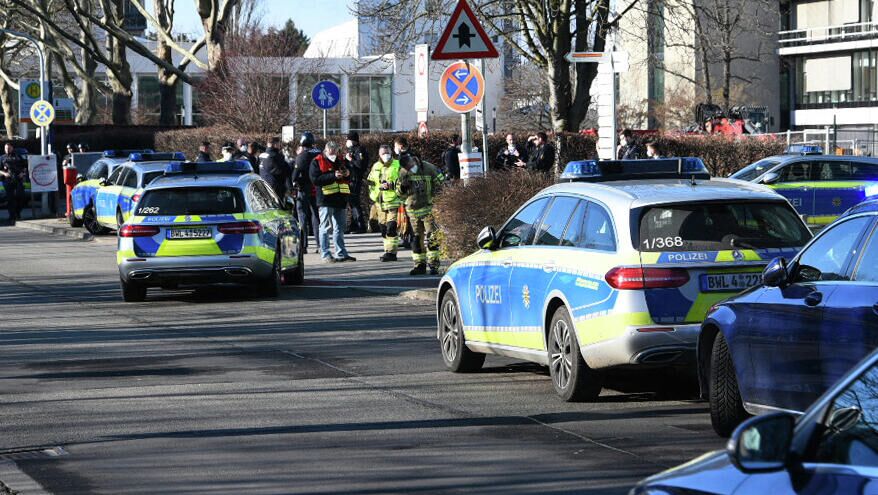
(307, 139)
(354, 136)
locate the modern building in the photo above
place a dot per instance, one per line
(829, 50)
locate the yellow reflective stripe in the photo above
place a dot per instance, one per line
(189, 247)
(600, 328)
(124, 254)
(336, 188)
(727, 256)
(821, 219)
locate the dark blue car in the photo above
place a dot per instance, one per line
(831, 449)
(780, 345)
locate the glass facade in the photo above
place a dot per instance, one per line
(862, 91)
(370, 103)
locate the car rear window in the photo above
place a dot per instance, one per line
(149, 176)
(720, 226)
(754, 170)
(191, 201)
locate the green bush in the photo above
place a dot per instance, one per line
(463, 211)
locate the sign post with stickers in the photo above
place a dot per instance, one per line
(462, 85)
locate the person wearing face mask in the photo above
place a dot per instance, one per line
(227, 153)
(417, 185)
(382, 181)
(358, 160)
(273, 168)
(509, 155)
(306, 200)
(332, 180)
(628, 147)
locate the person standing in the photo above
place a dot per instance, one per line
(13, 173)
(228, 153)
(273, 168)
(332, 181)
(450, 161)
(250, 154)
(204, 152)
(417, 185)
(654, 150)
(306, 201)
(358, 160)
(543, 156)
(509, 155)
(628, 149)
(382, 191)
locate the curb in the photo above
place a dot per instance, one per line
(73, 233)
(428, 295)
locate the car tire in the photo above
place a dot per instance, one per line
(455, 354)
(726, 408)
(271, 286)
(296, 276)
(133, 292)
(572, 378)
(90, 221)
(73, 221)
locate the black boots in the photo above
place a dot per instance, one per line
(388, 257)
(419, 269)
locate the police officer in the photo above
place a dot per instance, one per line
(204, 152)
(382, 191)
(306, 201)
(417, 185)
(13, 173)
(358, 161)
(332, 182)
(273, 168)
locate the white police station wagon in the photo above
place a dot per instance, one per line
(617, 266)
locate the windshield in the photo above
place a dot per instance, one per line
(149, 176)
(754, 170)
(721, 226)
(191, 201)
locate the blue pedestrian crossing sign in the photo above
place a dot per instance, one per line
(325, 94)
(42, 113)
(462, 87)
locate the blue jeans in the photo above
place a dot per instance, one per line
(335, 220)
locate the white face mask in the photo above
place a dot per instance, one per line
(243, 149)
(227, 154)
(650, 153)
(623, 141)
(385, 158)
(349, 144)
(331, 157)
(414, 169)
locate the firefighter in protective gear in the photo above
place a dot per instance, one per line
(382, 181)
(417, 185)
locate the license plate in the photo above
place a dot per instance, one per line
(729, 282)
(204, 233)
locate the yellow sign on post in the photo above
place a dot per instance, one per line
(42, 113)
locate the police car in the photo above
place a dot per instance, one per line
(617, 266)
(202, 223)
(820, 187)
(84, 194)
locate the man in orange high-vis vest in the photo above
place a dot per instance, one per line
(332, 181)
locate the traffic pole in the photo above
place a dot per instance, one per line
(484, 106)
(324, 123)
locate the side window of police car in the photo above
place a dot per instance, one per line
(255, 197)
(590, 228)
(268, 196)
(114, 177)
(826, 258)
(796, 172)
(519, 230)
(555, 221)
(130, 179)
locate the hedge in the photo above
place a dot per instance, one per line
(98, 137)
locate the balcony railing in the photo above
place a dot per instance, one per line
(828, 34)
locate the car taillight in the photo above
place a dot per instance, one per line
(138, 231)
(135, 199)
(634, 278)
(240, 228)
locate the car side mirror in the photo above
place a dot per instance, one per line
(487, 238)
(775, 274)
(770, 178)
(79, 178)
(103, 182)
(762, 444)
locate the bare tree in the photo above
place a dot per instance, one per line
(215, 17)
(164, 14)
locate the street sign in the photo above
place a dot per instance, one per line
(462, 87)
(28, 95)
(423, 131)
(325, 95)
(470, 165)
(480, 119)
(422, 79)
(464, 37)
(65, 110)
(619, 59)
(288, 134)
(42, 113)
(43, 173)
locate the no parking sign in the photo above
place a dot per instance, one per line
(43, 173)
(462, 87)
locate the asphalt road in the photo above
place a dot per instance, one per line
(331, 388)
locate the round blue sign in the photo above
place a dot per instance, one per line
(325, 94)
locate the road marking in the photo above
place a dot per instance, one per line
(16, 481)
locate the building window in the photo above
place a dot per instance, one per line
(848, 80)
(370, 103)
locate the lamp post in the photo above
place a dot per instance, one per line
(43, 145)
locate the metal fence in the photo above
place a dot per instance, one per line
(857, 142)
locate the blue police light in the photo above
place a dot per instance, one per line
(804, 149)
(610, 170)
(123, 153)
(237, 167)
(156, 157)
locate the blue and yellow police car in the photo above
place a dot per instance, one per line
(820, 187)
(84, 194)
(205, 223)
(618, 266)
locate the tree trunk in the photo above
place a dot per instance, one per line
(727, 79)
(168, 110)
(10, 113)
(119, 77)
(701, 45)
(86, 97)
(164, 13)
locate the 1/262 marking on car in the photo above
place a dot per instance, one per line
(729, 282)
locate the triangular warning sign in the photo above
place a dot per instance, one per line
(464, 37)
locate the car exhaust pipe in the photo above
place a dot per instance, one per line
(237, 272)
(140, 275)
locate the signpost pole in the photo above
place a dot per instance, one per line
(324, 124)
(484, 106)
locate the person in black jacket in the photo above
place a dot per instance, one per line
(629, 148)
(306, 203)
(204, 152)
(450, 161)
(274, 169)
(542, 157)
(509, 155)
(358, 162)
(13, 174)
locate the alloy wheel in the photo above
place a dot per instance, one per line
(561, 354)
(450, 330)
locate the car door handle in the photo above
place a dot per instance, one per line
(814, 298)
(549, 267)
(875, 308)
(507, 264)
